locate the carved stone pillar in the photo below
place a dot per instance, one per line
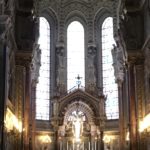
(124, 111)
(132, 107)
(24, 60)
(20, 100)
(139, 71)
(121, 117)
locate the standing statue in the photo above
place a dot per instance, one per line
(60, 69)
(91, 68)
(118, 64)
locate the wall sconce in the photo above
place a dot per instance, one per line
(127, 136)
(145, 123)
(45, 139)
(107, 140)
(11, 122)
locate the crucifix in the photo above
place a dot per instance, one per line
(78, 80)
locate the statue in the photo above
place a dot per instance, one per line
(91, 68)
(60, 69)
(118, 64)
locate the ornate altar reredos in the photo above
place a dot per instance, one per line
(79, 119)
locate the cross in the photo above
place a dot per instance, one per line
(78, 82)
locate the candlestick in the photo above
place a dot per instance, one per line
(89, 145)
(95, 145)
(83, 145)
(67, 145)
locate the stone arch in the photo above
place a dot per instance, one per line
(81, 106)
(75, 16)
(101, 14)
(51, 17)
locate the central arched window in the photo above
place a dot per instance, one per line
(110, 87)
(43, 88)
(75, 54)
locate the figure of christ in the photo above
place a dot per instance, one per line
(77, 128)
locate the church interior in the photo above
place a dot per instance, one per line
(74, 74)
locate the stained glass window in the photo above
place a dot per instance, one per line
(75, 54)
(43, 88)
(109, 85)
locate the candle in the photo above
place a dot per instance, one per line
(67, 145)
(89, 145)
(95, 145)
(83, 145)
(73, 145)
(60, 145)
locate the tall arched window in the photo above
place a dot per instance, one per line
(43, 88)
(75, 54)
(110, 87)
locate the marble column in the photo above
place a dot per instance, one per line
(132, 109)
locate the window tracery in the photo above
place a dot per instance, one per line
(43, 87)
(109, 85)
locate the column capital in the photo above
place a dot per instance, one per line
(135, 59)
(24, 59)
